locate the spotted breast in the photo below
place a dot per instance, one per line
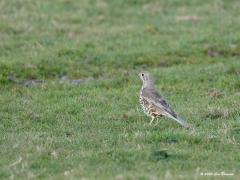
(148, 108)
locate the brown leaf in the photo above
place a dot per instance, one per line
(188, 18)
(214, 93)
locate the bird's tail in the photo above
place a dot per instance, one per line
(179, 120)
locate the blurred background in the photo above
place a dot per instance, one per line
(92, 38)
(69, 88)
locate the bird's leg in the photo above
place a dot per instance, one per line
(157, 121)
(151, 120)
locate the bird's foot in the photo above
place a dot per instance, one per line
(151, 121)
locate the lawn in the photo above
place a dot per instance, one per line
(69, 88)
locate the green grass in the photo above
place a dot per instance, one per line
(96, 130)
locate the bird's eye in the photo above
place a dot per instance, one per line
(142, 74)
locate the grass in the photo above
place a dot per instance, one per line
(95, 129)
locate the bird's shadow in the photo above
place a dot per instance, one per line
(164, 155)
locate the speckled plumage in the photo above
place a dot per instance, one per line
(153, 104)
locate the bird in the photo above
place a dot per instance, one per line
(153, 103)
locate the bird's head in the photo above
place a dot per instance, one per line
(146, 78)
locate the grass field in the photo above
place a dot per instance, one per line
(69, 88)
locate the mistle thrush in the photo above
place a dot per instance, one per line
(153, 104)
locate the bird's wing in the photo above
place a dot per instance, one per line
(155, 98)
